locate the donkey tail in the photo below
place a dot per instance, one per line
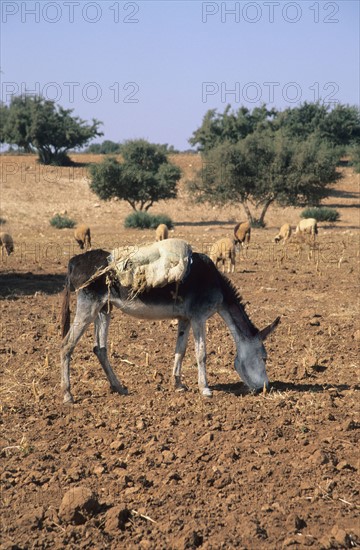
(65, 309)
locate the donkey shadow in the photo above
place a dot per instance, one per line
(239, 389)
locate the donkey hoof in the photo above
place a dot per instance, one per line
(207, 392)
(121, 390)
(180, 388)
(68, 399)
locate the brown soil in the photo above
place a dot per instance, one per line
(157, 469)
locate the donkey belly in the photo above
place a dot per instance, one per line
(150, 310)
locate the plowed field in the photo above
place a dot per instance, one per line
(162, 470)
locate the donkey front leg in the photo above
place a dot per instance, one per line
(200, 351)
(181, 343)
(102, 322)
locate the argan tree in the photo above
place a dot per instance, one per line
(144, 177)
(264, 168)
(38, 125)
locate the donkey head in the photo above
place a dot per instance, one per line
(250, 361)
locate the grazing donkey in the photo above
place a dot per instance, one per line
(203, 292)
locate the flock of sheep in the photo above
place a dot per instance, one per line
(222, 251)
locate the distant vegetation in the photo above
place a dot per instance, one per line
(321, 214)
(144, 177)
(254, 158)
(339, 126)
(144, 220)
(37, 125)
(355, 158)
(264, 156)
(62, 222)
(109, 147)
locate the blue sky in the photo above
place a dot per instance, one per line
(151, 69)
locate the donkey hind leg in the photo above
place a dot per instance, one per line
(86, 311)
(198, 328)
(102, 322)
(181, 343)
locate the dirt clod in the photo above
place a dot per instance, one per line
(77, 505)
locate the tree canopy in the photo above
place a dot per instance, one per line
(229, 126)
(340, 125)
(263, 168)
(144, 177)
(107, 147)
(39, 125)
(265, 156)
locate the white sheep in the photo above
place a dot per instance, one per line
(83, 236)
(6, 243)
(242, 232)
(307, 225)
(161, 232)
(222, 250)
(284, 233)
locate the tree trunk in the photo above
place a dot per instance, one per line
(248, 213)
(263, 212)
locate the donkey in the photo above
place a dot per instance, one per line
(203, 292)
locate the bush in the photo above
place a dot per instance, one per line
(144, 220)
(321, 214)
(355, 158)
(62, 222)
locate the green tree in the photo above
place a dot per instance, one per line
(355, 158)
(145, 176)
(339, 126)
(264, 168)
(342, 126)
(107, 147)
(39, 125)
(4, 111)
(229, 126)
(302, 121)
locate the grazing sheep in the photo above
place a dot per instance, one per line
(7, 243)
(302, 241)
(222, 250)
(308, 225)
(284, 233)
(83, 237)
(162, 232)
(242, 232)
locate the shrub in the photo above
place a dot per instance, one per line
(62, 222)
(321, 214)
(144, 220)
(355, 158)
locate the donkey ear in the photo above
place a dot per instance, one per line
(264, 333)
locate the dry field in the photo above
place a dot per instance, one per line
(160, 470)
